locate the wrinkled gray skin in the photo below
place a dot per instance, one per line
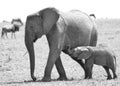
(95, 55)
(73, 28)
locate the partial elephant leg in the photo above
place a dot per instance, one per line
(6, 34)
(88, 68)
(91, 67)
(60, 69)
(88, 71)
(108, 72)
(82, 65)
(87, 74)
(53, 56)
(55, 45)
(114, 74)
(2, 33)
(14, 35)
(113, 70)
(11, 35)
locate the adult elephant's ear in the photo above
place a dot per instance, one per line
(85, 54)
(50, 17)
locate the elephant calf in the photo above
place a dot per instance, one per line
(95, 55)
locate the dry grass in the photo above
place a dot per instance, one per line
(14, 67)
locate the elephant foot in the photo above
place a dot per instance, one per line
(115, 76)
(34, 78)
(62, 78)
(46, 79)
(109, 78)
(85, 77)
(88, 77)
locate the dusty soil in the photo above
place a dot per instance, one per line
(14, 65)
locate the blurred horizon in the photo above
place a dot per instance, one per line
(21, 8)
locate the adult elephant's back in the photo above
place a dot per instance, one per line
(80, 29)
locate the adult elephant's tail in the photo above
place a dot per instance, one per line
(94, 37)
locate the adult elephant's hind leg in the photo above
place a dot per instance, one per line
(60, 69)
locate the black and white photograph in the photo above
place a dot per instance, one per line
(59, 43)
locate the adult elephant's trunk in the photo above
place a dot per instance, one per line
(30, 48)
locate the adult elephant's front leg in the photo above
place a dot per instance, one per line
(82, 65)
(60, 69)
(53, 56)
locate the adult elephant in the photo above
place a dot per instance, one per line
(73, 28)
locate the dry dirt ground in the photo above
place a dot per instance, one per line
(14, 65)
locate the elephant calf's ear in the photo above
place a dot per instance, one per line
(85, 54)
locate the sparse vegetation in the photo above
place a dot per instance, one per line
(14, 66)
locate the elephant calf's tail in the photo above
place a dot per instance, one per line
(115, 62)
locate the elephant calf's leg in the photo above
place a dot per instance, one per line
(88, 67)
(114, 74)
(88, 71)
(108, 72)
(83, 66)
(60, 69)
